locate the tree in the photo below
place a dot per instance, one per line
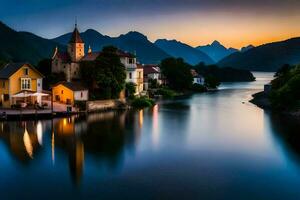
(44, 66)
(211, 82)
(106, 75)
(177, 73)
(130, 89)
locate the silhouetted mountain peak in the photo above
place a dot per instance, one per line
(134, 35)
(216, 43)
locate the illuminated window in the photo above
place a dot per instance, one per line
(25, 83)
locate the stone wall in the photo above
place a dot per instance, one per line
(94, 106)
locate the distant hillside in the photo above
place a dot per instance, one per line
(268, 57)
(247, 48)
(181, 50)
(133, 42)
(216, 50)
(22, 46)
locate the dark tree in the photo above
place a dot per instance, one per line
(177, 73)
(44, 66)
(106, 75)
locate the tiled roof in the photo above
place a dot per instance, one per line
(11, 68)
(151, 69)
(64, 56)
(91, 56)
(76, 37)
(74, 86)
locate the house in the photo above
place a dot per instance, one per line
(20, 83)
(69, 93)
(69, 62)
(151, 72)
(197, 78)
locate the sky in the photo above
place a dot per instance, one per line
(234, 23)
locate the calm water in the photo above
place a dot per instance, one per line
(208, 146)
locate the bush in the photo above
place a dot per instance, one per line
(166, 93)
(142, 102)
(130, 90)
(198, 88)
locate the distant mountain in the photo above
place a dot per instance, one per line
(243, 49)
(22, 46)
(268, 57)
(216, 50)
(133, 42)
(188, 53)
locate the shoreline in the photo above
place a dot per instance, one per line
(261, 100)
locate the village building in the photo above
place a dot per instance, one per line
(20, 84)
(69, 62)
(197, 78)
(151, 72)
(69, 93)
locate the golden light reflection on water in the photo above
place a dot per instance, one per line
(141, 118)
(28, 143)
(39, 132)
(155, 131)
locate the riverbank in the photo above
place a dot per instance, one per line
(261, 100)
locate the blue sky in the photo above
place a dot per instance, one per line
(233, 22)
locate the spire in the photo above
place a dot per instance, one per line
(76, 22)
(76, 35)
(90, 49)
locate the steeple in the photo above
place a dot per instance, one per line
(76, 45)
(90, 49)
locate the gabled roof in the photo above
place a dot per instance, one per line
(151, 69)
(91, 56)
(74, 86)
(11, 68)
(76, 37)
(64, 56)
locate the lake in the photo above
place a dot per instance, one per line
(208, 146)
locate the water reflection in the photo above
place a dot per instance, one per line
(21, 138)
(103, 136)
(286, 131)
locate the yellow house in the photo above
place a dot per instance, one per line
(17, 79)
(69, 92)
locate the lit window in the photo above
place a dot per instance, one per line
(25, 83)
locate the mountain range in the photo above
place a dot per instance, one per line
(24, 46)
(181, 50)
(267, 57)
(216, 50)
(133, 42)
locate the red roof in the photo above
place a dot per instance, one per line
(76, 37)
(151, 69)
(91, 56)
(64, 56)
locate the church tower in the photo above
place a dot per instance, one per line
(76, 46)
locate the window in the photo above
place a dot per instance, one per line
(25, 83)
(130, 75)
(3, 84)
(26, 71)
(6, 97)
(131, 61)
(81, 94)
(140, 74)
(62, 92)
